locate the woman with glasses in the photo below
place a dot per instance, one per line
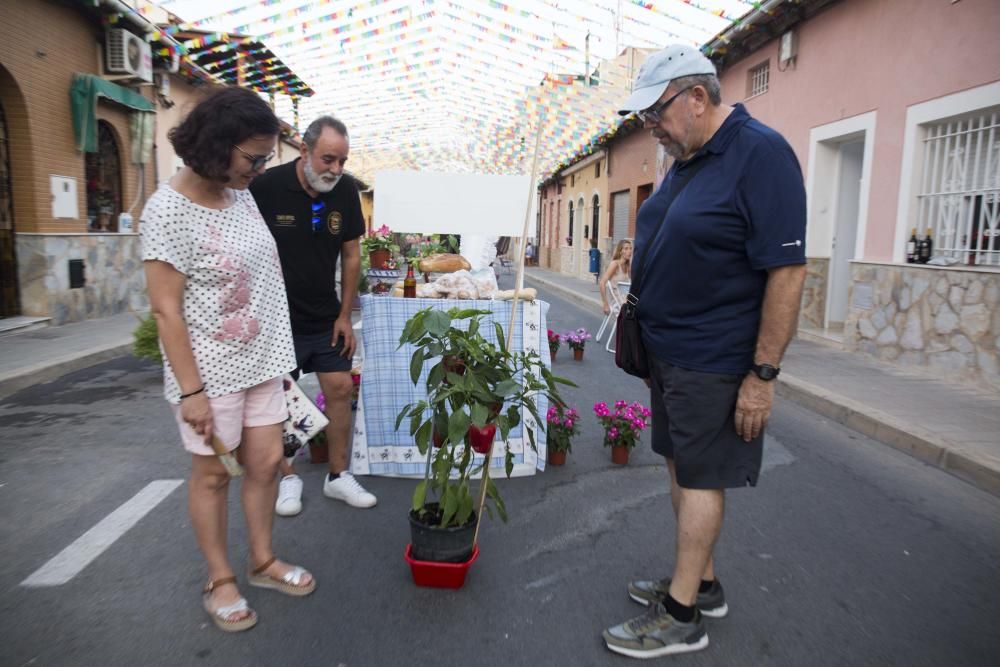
(218, 296)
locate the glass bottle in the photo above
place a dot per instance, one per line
(409, 283)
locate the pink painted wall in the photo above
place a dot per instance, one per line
(631, 164)
(873, 55)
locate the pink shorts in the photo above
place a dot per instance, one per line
(261, 405)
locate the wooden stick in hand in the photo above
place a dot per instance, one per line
(232, 466)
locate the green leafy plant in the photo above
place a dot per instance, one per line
(146, 340)
(475, 389)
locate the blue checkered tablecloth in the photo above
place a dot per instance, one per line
(386, 387)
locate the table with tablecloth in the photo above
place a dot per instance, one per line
(386, 386)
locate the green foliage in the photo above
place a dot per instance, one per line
(472, 382)
(146, 343)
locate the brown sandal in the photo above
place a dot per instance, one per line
(220, 616)
(289, 584)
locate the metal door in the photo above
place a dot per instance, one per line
(619, 221)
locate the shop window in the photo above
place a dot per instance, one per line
(958, 203)
(104, 182)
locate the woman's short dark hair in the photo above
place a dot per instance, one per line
(205, 139)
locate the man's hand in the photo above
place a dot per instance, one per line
(753, 406)
(342, 329)
(197, 413)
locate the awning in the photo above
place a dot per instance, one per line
(83, 94)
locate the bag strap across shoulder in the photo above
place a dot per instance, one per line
(674, 192)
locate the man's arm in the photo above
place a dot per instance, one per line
(350, 272)
(778, 322)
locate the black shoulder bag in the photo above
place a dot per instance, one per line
(630, 353)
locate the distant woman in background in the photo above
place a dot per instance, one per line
(619, 270)
(218, 296)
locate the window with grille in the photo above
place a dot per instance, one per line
(758, 79)
(959, 200)
(597, 169)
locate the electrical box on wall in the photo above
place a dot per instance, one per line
(63, 190)
(788, 48)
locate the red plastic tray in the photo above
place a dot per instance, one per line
(439, 575)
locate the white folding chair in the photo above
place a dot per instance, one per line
(615, 304)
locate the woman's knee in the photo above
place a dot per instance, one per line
(209, 477)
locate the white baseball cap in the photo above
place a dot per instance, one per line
(660, 69)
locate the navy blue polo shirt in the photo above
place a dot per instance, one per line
(744, 212)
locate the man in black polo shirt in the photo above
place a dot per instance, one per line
(314, 212)
(719, 265)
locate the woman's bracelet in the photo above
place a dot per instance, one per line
(193, 393)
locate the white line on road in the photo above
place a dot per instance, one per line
(70, 561)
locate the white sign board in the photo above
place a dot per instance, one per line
(436, 203)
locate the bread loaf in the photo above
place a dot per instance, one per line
(444, 263)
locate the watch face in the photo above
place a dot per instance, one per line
(765, 371)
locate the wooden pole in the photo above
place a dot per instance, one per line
(518, 283)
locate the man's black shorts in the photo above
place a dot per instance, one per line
(693, 425)
(314, 354)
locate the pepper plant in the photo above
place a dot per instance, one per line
(474, 389)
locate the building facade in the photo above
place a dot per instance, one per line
(896, 138)
(64, 255)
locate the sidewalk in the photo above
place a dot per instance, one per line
(40, 355)
(948, 425)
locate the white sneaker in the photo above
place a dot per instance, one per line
(346, 488)
(289, 496)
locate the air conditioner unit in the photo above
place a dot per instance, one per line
(128, 54)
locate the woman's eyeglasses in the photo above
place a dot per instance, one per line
(317, 220)
(257, 162)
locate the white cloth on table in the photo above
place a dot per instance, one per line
(386, 386)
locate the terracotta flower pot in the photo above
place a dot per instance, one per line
(378, 258)
(557, 458)
(578, 355)
(319, 452)
(552, 353)
(619, 454)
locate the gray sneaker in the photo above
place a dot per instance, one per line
(657, 633)
(711, 603)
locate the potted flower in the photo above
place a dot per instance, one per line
(622, 427)
(576, 341)
(563, 424)
(555, 340)
(379, 245)
(475, 391)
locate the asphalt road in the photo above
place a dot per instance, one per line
(847, 552)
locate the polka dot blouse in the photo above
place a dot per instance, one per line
(234, 300)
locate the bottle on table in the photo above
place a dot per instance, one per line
(409, 283)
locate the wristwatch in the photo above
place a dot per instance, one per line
(765, 372)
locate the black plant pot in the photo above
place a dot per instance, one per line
(441, 545)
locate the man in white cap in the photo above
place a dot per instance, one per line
(718, 273)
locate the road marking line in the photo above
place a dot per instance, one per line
(70, 561)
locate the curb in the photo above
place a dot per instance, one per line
(918, 442)
(50, 370)
(565, 291)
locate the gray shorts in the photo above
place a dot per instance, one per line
(693, 425)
